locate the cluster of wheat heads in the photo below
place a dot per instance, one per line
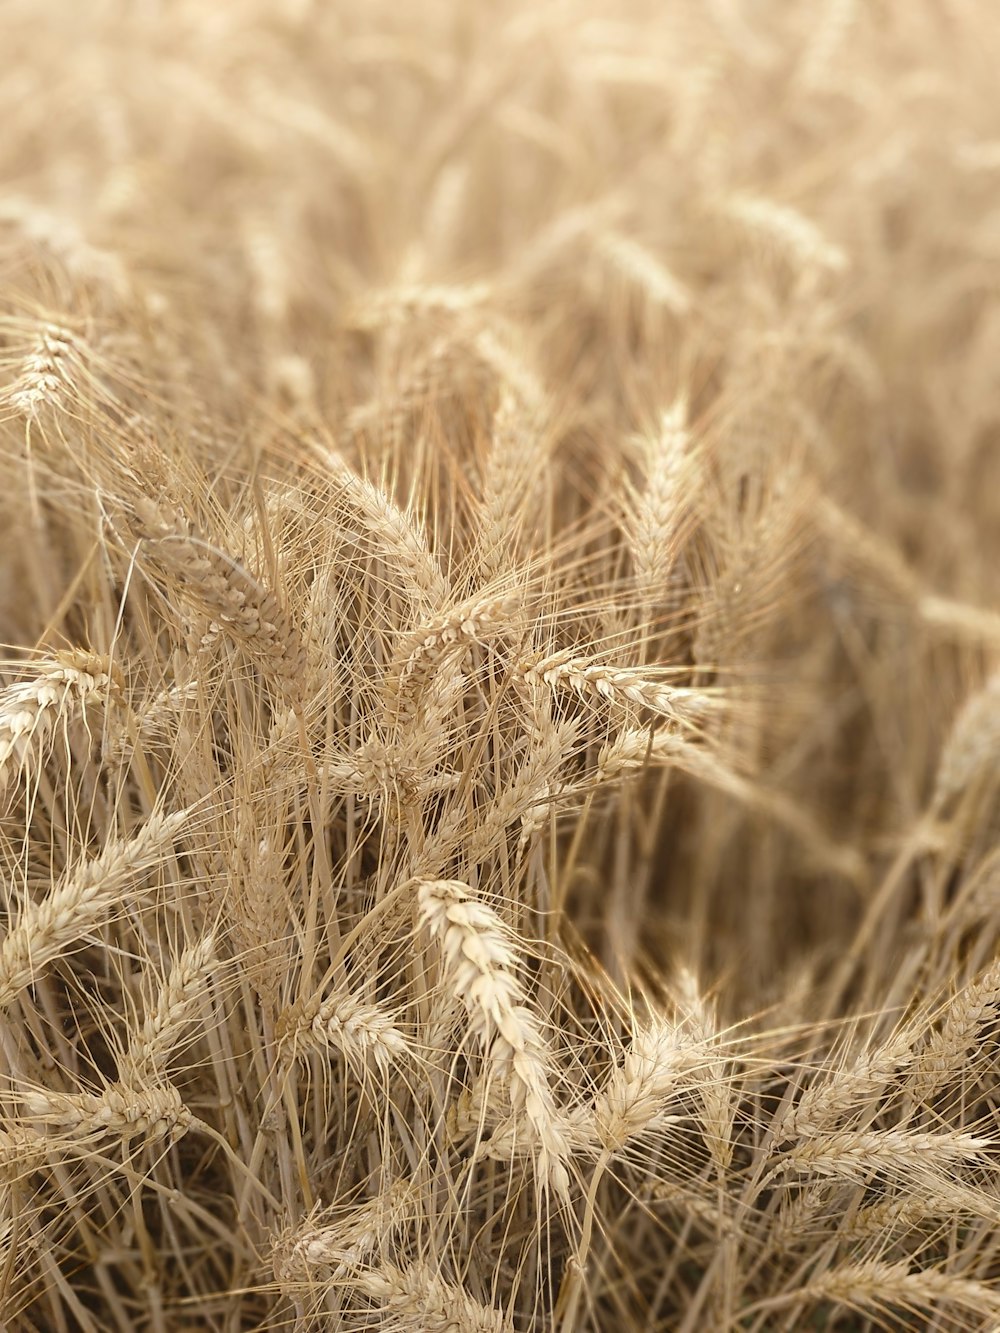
(499, 726)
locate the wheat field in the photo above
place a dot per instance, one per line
(500, 699)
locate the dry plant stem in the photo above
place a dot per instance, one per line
(872, 917)
(572, 1286)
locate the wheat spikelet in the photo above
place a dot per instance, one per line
(658, 1058)
(849, 1089)
(326, 1251)
(785, 232)
(878, 1285)
(947, 1053)
(223, 588)
(382, 308)
(527, 794)
(713, 1088)
(641, 268)
(680, 704)
(45, 375)
(655, 509)
(394, 535)
(971, 749)
(512, 474)
(856, 1154)
(925, 1209)
(23, 1150)
(427, 649)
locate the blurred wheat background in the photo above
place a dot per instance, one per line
(499, 720)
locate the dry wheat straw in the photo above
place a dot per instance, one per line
(634, 749)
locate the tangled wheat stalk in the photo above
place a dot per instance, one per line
(499, 722)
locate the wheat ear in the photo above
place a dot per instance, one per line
(419, 1300)
(171, 1011)
(321, 1250)
(87, 894)
(221, 586)
(61, 688)
(363, 1032)
(482, 969)
(616, 684)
